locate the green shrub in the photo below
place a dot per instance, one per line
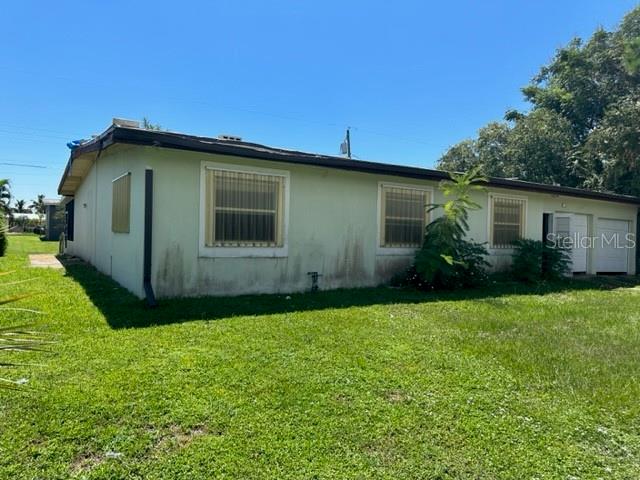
(4, 240)
(535, 261)
(447, 259)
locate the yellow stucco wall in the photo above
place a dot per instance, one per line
(332, 227)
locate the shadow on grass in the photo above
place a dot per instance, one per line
(124, 310)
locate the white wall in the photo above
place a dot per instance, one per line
(118, 255)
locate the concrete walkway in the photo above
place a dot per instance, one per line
(44, 260)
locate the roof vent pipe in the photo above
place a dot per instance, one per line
(123, 122)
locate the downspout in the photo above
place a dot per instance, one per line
(148, 229)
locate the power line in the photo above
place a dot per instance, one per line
(217, 105)
(26, 165)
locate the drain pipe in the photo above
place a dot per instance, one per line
(148, 229)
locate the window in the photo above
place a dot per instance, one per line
(507, 220)
(243, 209)
(121, 204)
(403, 216)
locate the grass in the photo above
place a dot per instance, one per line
(505, 382)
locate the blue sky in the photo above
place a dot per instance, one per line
(410, 78)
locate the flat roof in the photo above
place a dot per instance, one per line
(139, 136)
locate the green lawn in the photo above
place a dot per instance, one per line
(506, 382)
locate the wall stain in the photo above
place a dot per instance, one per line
(349, 267)
(170, 281)
(388, 266)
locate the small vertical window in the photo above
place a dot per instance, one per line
(507, 221)
(403, 216)
(244, 209)
(121, 204)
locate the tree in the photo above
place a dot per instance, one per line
(539, 148)
(5, 195)
(38, 207)
(4, 240)
(20, 206)
(486, 152)
(447, 259)
(580, 131)
(612, 151)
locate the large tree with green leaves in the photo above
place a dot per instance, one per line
(582, 129)
(5, 195)
(20, 206)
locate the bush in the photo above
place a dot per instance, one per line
(4, 241)
(535, 261)
(460, 265)
(448, 260)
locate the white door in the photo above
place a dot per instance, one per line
(612, 253)
(574, 227)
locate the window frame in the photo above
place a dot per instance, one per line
(523, 228)
(128, 230)
(253, 251)
(382, 250)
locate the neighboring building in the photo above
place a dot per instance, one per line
(183, 215)
(54, 219)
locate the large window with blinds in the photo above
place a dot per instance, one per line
(507, 220)
(403, 216)
(121, 204)
(243, 209)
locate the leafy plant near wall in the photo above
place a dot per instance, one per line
(447, 259)
(536, 261)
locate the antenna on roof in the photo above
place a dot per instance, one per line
(345, 147)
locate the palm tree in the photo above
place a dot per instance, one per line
(20, 206)
(38, 207)
(5, 195)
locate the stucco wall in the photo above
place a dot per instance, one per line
(332, 227)
(118, 255)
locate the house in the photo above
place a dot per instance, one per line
(54, 219)
(169, 214)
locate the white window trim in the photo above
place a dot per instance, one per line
(398, 251)
(247, 252)
(490, 198)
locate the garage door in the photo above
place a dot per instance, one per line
(611, 246)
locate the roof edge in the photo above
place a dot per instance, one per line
(143, 137)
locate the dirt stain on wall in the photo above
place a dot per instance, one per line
(170, 281)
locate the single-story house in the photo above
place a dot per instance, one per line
(167, 214)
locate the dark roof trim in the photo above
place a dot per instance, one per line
(136, 136)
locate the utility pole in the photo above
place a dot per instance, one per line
(345, 147)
